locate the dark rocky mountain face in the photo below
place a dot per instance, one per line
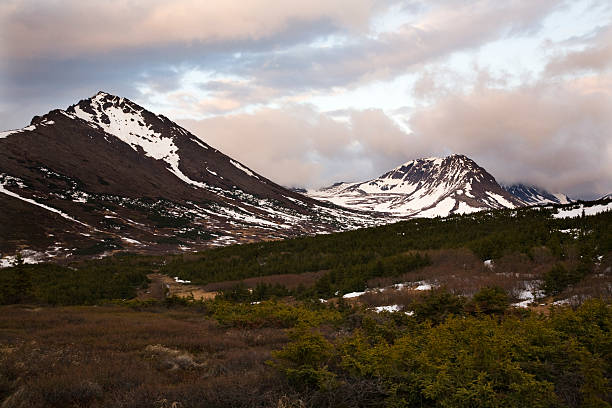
(106, 174)
(424, 188)
(532, 195)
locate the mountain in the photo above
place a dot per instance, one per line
(425, 188)
(532, 195)
(106, 174)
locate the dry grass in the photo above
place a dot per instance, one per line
(112, 356)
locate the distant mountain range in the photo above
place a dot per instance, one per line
(107, 175)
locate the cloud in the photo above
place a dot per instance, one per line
(298, 146)
(596, 55)
(436, 33)
(259, 63)
(71, 27)
(555, 134)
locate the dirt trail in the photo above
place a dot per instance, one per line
(163, 286)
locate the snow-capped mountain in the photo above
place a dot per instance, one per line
(425, 188)
(532, 195)
(106, 174)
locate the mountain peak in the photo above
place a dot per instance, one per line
(425, 187)
(97, 107)
(107, 174)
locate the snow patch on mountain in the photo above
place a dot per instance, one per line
(244, 169)
(3, 190)
(127, 123)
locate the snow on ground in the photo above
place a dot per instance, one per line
(577, 211)
(130, 128)
(28, 256)
(442, 209)
(30, 201)
(392, 308)
(177, 280)
(501, 200)
(195, 139)
(526, 295)
(14, 131)
(565, 301)
(563, 199)
(423, 286)
(131, 241)
(353, 294)
(420, 285)
(8, 133)
(241, 167)
(465, 208)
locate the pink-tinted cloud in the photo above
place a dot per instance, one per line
(596, 56)
(72, 27)
(552, 130)
(554, 134)
(297, 146)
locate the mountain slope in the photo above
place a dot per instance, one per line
(606, 197)
(106, 174)
(426, 188)
(532, 195)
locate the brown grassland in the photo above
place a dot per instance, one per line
(114, 356)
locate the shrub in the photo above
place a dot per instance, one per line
(559, 277)
(489, 300)
(436, 305)
(304, 361)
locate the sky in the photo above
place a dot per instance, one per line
(309, 93)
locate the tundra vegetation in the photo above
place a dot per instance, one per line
(80, 334)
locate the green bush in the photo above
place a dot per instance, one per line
(436, 305)
(560, 360)
(559, 277)
(489, 300)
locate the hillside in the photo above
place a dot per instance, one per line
(107, 175)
